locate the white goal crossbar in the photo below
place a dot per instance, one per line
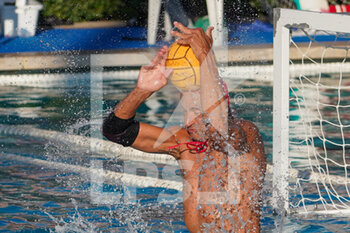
(284, 20)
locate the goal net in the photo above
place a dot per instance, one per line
(311, 116)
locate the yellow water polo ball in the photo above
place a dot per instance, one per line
(185, 66)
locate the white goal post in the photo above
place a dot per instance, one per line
(284, 20)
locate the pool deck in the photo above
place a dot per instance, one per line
(61, 48)
(136, 57)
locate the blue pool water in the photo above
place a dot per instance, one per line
(43, 199)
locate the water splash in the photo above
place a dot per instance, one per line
(75, 223)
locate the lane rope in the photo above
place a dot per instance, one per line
(108, 176)
(107, 149)
(257, 72)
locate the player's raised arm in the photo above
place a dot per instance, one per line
(120, 126)
(211, 85)
(151, 79)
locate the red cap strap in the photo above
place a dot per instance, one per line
(198, 147)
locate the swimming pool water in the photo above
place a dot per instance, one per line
(36, 199)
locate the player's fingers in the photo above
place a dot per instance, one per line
(160, 54)
(165, 56)
(209, 33)
(147, 67)
(182, 28)
(157, 59)
(164, 49)
(154, 60)
(182, 42)
(168, 72)
(180, 35)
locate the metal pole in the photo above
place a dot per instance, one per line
(280, 114)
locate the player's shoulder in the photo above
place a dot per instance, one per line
(247, 126)
(250, 130)
(254, 142)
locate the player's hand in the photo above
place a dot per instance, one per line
(199, 41)
(154, 76)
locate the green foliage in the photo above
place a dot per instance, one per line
(82, 10)
(92, 10)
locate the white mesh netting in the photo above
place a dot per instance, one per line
(319, 122)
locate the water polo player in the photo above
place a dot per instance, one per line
(221, 157)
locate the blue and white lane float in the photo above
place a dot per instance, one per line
(109, 149)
